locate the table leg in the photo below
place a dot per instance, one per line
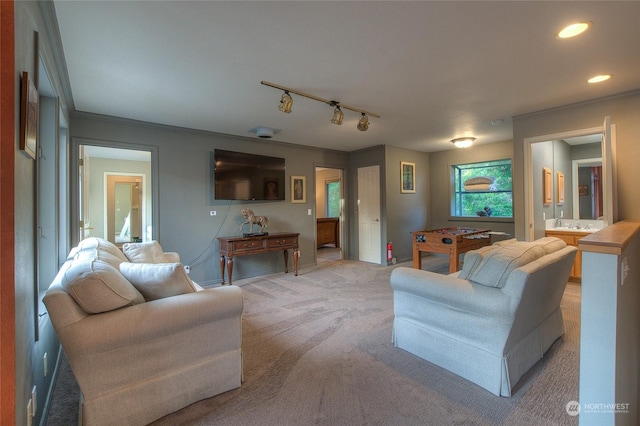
(417, 259)
(222, 269)
(296, 255)
(230, 268)
(286, 261)
(454, 262)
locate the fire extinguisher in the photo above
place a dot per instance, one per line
(389, 252)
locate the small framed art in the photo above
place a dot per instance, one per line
(298, 189)
(547, 186)
(560, 179)
(28, 117)
(407, 177)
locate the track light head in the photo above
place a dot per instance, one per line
(286, 102)
(338, 115)
(363, 123)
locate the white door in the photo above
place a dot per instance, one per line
(369, 247)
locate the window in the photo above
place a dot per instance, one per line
(333, 198)
(483, 189)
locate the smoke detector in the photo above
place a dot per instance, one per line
(264, 132)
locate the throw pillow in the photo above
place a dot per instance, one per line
(150, 252)
(157, 280)
(498, 264)
(98, 287)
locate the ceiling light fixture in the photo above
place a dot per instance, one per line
(599, 78)
(363, 123)
(463, 142)
(286, 102)
(338, 115)
(574, 29)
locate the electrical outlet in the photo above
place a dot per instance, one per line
(213, 213)
(187, 269)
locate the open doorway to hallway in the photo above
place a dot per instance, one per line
(329, 213)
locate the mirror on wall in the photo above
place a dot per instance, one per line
(586, 152)
(114, 194)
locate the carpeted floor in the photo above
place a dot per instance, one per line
(317, 350)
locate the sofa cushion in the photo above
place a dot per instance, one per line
(495, 268)
(550, 244)
(150, 252)
(102, 246)
(473, 258)
(158, 280)
(91, 253)
(97, 287)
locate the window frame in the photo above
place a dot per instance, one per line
(456, 194)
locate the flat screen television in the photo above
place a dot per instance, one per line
(242, 176)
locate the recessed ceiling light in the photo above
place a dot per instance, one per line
(574, 29)
(599, 78)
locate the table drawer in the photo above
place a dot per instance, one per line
(285, 242)
(242, 246)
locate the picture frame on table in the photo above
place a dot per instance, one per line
(298, 189)
(407, 177)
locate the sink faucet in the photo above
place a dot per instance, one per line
(558, 222)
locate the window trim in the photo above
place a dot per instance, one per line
(453, 194)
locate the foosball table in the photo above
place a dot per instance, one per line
(453, 241)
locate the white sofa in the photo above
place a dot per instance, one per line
(491, 321)
(141, 338)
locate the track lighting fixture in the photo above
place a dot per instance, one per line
(363, 123)
(338, 115)
(463, 142)
(286, 103)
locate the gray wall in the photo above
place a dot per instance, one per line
(185, 192)
(31, 17)
(405, 213)
(624, 111)
(441, 186)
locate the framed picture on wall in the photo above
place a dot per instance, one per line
(547, 186)
(28, 116)
(407, 177)
(560, 179)
(298, 189)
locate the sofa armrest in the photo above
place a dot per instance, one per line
(454, 292)
(112, 330)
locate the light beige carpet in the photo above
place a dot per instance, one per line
(317, 350)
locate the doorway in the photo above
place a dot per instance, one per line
(329, 214)
(369, 230)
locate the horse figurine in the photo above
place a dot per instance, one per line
(251, 218)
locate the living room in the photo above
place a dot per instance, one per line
(183, 179)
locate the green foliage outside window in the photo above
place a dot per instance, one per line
(333, 199)
(496, 201)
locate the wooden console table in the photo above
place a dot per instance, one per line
(242, 246)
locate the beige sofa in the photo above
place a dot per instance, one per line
(142, 339)
(491, 321)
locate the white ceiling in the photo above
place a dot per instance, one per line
(434, 71)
